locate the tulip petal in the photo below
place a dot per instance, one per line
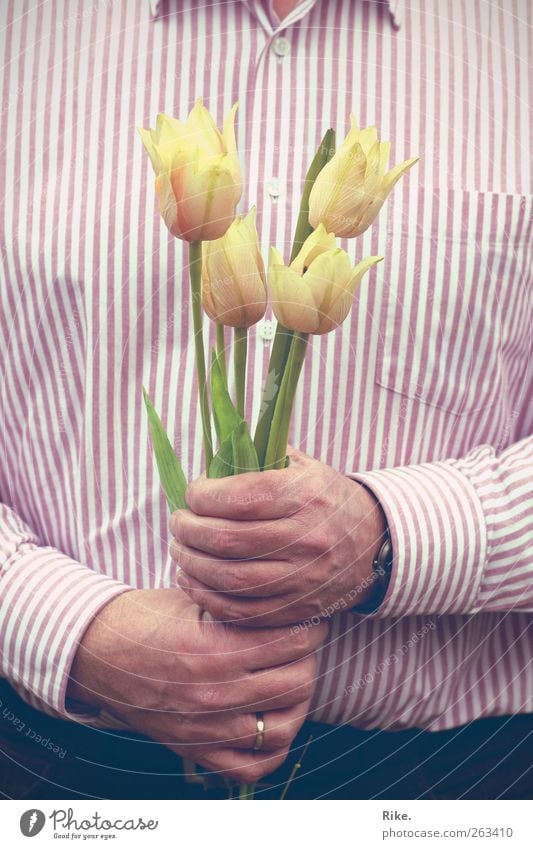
(201, 132)
(168, 139)
(390, 179)
(207, 203)
(384, 190)
(167, 203)
(368, 138)
(147, 140)
(292, 301)
(315, 244)
(327, 277)
(384, 154)
(360, 270)
(342, 299)
(275, 258)
(228, 131)
(336, 192)
(249, 228)
(233, 283)
(238, 290)
(352, 136)
(167, 129)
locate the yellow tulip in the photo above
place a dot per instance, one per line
(198, 176)
(351, 189)
(233, 275)
(315, 292)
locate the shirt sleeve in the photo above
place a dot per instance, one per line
(47, 601)
(461, 532)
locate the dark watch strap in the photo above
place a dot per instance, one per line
(381, 573)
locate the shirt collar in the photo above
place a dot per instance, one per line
(395, 8)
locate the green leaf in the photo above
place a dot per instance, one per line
(222, 463)
(324, 153)
(171, 474)
(226, 416)
(244, 453)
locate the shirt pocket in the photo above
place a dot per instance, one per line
(455, 310)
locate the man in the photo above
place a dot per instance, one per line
(428, 384)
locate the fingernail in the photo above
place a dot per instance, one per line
(173, 523)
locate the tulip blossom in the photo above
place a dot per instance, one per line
(233, 275)
(315, 292)
(351, 189)
(198, 176)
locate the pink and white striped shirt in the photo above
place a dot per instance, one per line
(425, 393)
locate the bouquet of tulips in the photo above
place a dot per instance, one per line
(198, 186)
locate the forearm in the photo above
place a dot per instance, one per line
(47, 600)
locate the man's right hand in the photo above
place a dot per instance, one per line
(196, 685)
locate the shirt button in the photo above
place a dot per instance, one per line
(266, 330)
(274, 188)
(282, 46)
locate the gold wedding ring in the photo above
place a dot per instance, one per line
(259, 732)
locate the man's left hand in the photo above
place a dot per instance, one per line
(278, 547)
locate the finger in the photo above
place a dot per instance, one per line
(239, 765)
(280, 729)
(229, 539)
(247, 612)
(266, 495)
(262, 648)
(233, 731)
(283, 687)
(239, 577)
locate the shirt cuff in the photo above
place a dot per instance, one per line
(47, 601)
(438, 535)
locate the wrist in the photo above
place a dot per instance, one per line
(97, 656)
(374, 572)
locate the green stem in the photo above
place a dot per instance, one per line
(276, 367)
(246, 791)
(221, 350)
(240, 351)
(295, 769)
(195, 272)
(279, 432)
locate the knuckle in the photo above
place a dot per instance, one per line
(316, 606)
(207, 697)
(318, 540)
(174, 551)
(246, 504)
(236, 579)
(236, 613)
(303, 681)
(302, 640)
(310, 610)
(224, 540)
(191, 496)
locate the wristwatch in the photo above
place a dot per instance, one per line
(381, 573)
